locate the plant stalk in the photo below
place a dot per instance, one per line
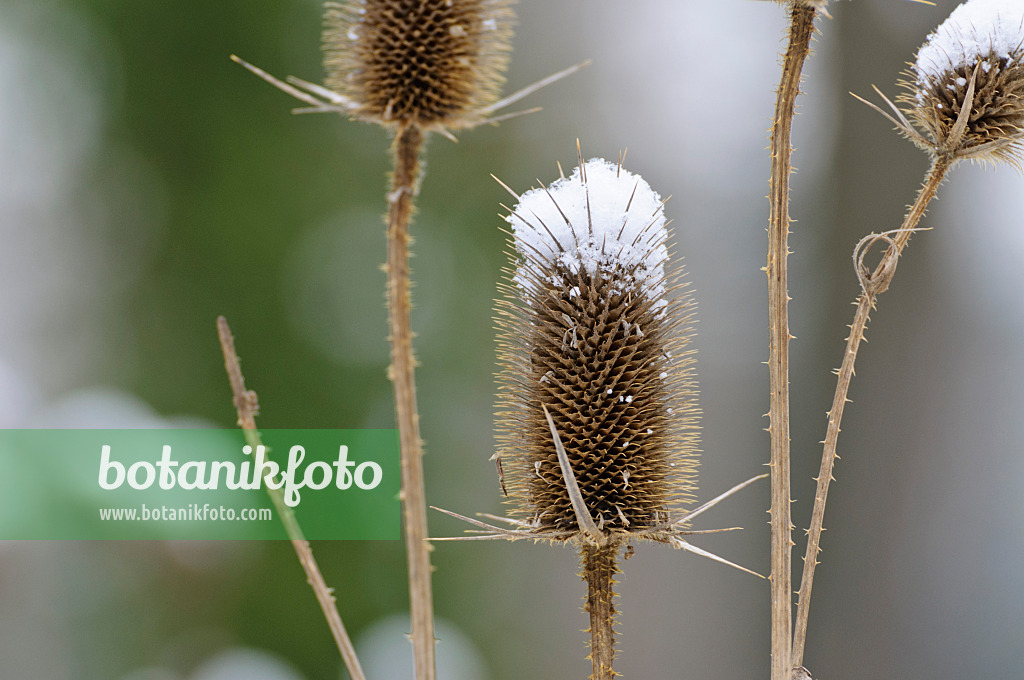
(407, 147)
(246, 405)
(873, 284)
(800, 31)
(599, 571)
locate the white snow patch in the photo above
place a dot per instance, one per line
(586, 226)
(975, 30)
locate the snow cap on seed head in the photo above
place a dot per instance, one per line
(594, 327)
(600, 218)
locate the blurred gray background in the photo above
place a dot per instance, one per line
(148, 184)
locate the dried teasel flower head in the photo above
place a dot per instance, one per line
(432, 63)
(594, 326)
(966, 87)
(414, 65)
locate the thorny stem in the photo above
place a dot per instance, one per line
(246, 405)
(599, 571)
(407, 146)
(873, 284)
(801, 28)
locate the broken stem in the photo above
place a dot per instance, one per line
(246, 406)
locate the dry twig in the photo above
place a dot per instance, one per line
(247, 406)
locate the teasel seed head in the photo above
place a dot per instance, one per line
(594, 326)
(966, 87)
(437, 64)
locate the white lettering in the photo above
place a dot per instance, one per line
(106, 465)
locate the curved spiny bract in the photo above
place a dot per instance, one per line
(592, 327)
(430, 63)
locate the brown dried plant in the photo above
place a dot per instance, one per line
(966, 92)
(413, 67)
(437, 65)
(597, 416)
(801, 27)
(597, 411)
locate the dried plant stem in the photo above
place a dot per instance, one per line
(599, 571)
(246, 405)
(873, 283)
(800, 30)
(407, 146)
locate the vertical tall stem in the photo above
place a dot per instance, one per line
(801, 28)
(407, 146)
(873, 285)
(599, 571)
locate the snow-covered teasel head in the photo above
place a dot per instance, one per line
(601, 220)
(967, 83)
(594, 327)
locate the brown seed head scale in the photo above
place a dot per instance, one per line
(965, 90)
(594, 326)
(437, 64)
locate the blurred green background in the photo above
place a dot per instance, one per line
(148, 184)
